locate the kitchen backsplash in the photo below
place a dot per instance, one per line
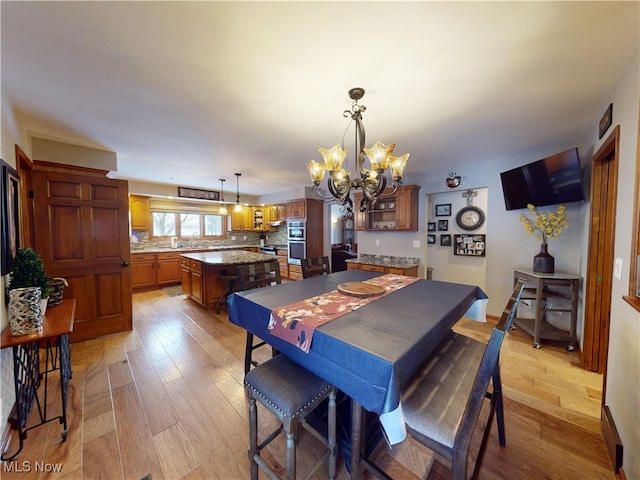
(140, 240)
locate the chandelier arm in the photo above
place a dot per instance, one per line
(318, 192)
(339, 194)
(360, 142)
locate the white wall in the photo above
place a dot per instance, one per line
(446, 266)
(623, 369)
(11, 135)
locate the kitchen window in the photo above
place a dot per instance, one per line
(187, 225)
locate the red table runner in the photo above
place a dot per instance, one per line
(296, 322)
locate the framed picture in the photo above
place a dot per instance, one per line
(443, 210)
(431, 226)
(10, 216)
(199, 194)
(469, 245)
(431, 239)
(605, 121)
(445, 240)
(443, 225)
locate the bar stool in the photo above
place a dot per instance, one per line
(291, 393)
(231, 285)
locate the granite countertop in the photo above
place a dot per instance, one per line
(385, 260)
(190, 249)
(233, 257)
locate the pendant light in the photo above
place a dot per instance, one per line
(223, 209)
(238, 207)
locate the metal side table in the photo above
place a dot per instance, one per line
(29, 374)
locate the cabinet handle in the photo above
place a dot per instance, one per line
(124, 264)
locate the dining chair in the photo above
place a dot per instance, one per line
(250, 276)
(443, 400)
(291, 393)
(315, 266)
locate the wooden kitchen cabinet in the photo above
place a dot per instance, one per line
(295, 272)
(277, 213)
(151, 270)
(283, 262)
(242, 220)
(407, 201)
(398, 212)
(297, 209)
(407, 271)
(143, 271)
(168, 268)
(360, 218)
(259, 218)
(140, 212)
(197, 282)
(185, 275)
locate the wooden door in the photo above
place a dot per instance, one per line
(82, 233)
(600, 260)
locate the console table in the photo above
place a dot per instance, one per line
(29, 374)
(545, 289)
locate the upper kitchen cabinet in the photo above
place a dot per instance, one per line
(242, 220)
(261, 218)
(140, 213)
(397, 212)
(297, 209)
(360, 218)
(277, 213)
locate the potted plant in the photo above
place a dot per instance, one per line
(546, 226)
(26, 303)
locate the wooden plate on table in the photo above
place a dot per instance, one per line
(360, 289)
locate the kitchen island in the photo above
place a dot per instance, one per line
(207, 277)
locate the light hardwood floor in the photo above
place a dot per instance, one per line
(167, 399)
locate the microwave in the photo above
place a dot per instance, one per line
(296, 231)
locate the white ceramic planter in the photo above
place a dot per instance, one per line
(25, 312)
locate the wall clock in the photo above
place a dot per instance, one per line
(348, 223)
(470, 218)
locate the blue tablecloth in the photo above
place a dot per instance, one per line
(371, 352)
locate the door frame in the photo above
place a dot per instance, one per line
(597, 314)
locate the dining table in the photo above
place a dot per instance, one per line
(370, 351)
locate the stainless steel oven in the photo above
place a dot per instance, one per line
(297, 250)
(296, 231)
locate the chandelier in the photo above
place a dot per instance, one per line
(372, 181)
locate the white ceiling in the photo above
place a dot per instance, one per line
(189, 92)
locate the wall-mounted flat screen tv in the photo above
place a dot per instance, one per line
(550, 181)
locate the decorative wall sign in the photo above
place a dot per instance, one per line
(469, 245)
(605, 121)
(199, 194)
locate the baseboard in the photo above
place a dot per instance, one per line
(611, 439)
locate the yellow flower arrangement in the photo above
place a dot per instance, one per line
(546, 225)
